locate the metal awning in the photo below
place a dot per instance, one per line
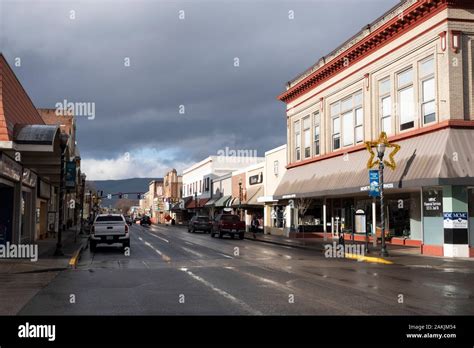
(221, 202)
(444, 157)
(35, 134)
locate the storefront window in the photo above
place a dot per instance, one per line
(406, 99)
(278, 216)
(433, 216)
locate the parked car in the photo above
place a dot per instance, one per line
(228, 224)
(200, 223)
(109, 229)
(145, 220)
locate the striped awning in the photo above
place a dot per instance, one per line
(443, 157)
(221, 202)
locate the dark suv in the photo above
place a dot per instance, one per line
(200, 223)
(145, 220)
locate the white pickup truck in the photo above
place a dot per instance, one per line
(109, 229)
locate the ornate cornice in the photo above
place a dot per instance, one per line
(360, 46)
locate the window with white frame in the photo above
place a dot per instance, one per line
(347, 121)
(406, 97)
(385, 103)
(297, 130)
(428, 91)
(307, 136)
(275, 167)
(317, 134)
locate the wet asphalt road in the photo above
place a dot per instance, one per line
(173, 272)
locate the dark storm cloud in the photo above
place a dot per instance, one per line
(174, 62)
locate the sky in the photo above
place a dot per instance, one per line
(167, 83)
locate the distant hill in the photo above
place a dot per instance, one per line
(116, 186)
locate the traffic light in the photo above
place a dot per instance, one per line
(120, 195)
(139, 196)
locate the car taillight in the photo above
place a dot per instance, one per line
(126, 228)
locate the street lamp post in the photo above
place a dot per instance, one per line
(240, 198)
(380, 145)
(380, 154)
(63, 139)
(195, 202)
(83, 193)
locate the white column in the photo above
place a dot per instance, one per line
(324, 220)
(374, 221)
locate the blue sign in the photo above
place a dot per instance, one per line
(374, 186)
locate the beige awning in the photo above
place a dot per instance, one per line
(253, 193)
(443, 157)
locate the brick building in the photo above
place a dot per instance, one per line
(410, 74)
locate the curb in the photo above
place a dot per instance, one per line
(370, 259)
(77, 255)
(283, 244)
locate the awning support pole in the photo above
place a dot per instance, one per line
(324, 220)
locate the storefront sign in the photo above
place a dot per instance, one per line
(71, 174)
(256, 179)
(455, 220)
(432, 202)
(44, 190)
(9, 168)
(374, 187)
(29, 178)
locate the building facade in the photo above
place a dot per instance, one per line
(197, 179)
(275, 217)
(409, 74)
(30, 166)
(173, 193)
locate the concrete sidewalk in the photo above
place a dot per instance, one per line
(400, 255)
(22, 279)
(72, 242)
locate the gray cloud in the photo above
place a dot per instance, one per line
(174, 62)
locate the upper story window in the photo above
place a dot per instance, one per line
(385, 103)
(275, 167)
(317, 134)
(307, 136)
(297, 131)
(347, 121)
(428, 90)
(406, 97)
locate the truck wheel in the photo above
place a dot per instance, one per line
(220, 234)
(241, 235)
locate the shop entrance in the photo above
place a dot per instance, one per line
(6, 213)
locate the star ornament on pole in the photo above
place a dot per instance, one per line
(373, 160)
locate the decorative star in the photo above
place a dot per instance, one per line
(373, 160)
